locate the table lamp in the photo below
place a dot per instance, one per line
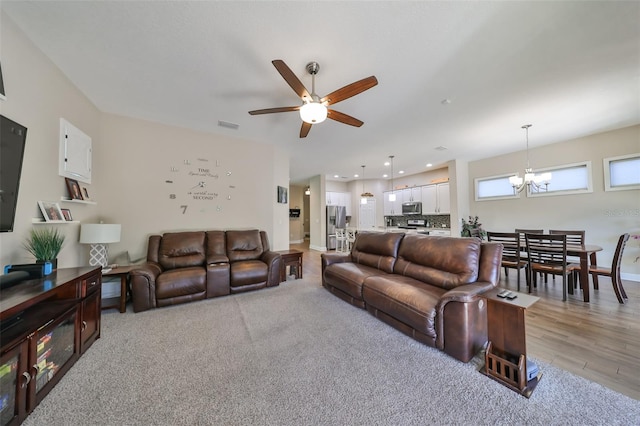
(99, 235)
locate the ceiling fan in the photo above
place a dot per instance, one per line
(314, 109)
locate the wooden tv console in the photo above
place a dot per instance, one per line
(46, 325)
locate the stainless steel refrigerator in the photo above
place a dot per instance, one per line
(336, 218)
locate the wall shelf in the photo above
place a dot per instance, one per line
(68, 200)
(38, 221)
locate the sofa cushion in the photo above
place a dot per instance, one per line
(440, 261)
(349, 277)
(249, 272)
(181, 282)
(244, 245)
(375, 249)
(181, 250)
(405, 299)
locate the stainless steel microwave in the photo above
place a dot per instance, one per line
(412, 208)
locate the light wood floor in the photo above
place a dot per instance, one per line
(599, 341)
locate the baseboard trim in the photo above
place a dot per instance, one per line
(630, 277)
(317, 248)
(296, 241)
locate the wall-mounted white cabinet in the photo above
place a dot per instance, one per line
(339, 199)
(436, 199)
(74, 153)
(392, 208)
(410, 195)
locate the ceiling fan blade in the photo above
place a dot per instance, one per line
(272, 110)
(344, 118)
(304, 130)
(291, 79)
(350, 90)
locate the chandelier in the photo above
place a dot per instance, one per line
(392, 195)
(531, 181)
(364, 195)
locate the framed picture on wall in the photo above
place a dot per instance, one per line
(85, 194)
(2, 94)
(282, 195)
(74, 189)
(66, 213)
(50, 211)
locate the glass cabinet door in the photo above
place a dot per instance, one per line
(54, 348)
(13, 383)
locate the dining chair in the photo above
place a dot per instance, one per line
(351, 238)
(511, 258)
(341, 240)
(574, 238)
(475, 232)
(523, 245)
(614, 271)
(547, 254)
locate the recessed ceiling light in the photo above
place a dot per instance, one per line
(445, 101)
(356, 175)
(401, 172)
(429, 164)
(440, 148)
(386, 163)
(385, 175)
(336, 176)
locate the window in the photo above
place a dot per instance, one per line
(622, 173)
(494, 188)
(566, 179)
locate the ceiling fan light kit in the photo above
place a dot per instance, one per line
(314, 110)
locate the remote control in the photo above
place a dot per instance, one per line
(511, 296)
(504, 293)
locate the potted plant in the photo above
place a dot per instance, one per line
(45, 244)
(472, 228)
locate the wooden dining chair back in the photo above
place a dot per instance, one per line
(341, 240)
(475, 232)
(351, 238)
(511, 258)
(547, 254)
(614, 271)
(522, 232)
(574, 238)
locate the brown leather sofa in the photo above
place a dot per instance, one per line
(186, 266)
(428, 287)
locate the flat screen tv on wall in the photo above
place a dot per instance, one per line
(12, 140)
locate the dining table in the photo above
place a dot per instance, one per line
(587, 255)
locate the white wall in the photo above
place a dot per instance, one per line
(132, 159)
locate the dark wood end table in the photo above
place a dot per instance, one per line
(506, 356)
(291, 258)
(118, 302)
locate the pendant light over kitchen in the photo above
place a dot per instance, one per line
(365, 195)
(392, 195)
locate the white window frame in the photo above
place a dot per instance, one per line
(506, 177)
(551, 193)
(607, 172)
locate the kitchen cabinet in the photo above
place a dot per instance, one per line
(411, 195)
(436, 199)
(339, 199)
(47, 324)
(392, 208)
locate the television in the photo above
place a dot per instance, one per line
(12, 140)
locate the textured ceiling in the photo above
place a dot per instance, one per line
(569, 68)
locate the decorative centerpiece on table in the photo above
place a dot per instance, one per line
(45, 245)
(472, 228)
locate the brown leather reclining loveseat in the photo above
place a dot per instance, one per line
(428, 287)
(186, 266)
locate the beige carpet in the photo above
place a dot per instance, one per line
(297, 355)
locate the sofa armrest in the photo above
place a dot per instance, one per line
(273, 261)
(474, 321)
(331, 258)
(143, 285)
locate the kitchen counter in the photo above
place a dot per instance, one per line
(419, 230)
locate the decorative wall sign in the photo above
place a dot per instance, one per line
(283, 195)
(198, 182)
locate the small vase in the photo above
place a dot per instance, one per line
(54, 263)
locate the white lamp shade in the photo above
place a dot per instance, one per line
(392, 196)
(313, 112)
(99, 233)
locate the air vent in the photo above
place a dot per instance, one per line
(228, 125)
(440, 148)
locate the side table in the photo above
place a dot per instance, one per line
(118, 302)
(506, 355)
(293, 259)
